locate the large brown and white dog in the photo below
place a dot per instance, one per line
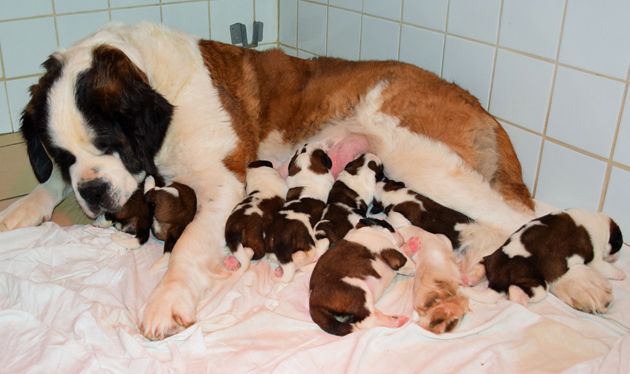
(135, 100)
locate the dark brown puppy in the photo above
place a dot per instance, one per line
(135, 218)
(403, 206)
(569, 251)
(348, 199)
(174, 207)
(246, 226)
(291, 237)
(352, 275)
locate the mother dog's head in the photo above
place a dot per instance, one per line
(95, 114)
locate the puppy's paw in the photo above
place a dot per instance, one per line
(412, 246)
(125, 240)
(231, 263)
(584, 289)
(474, 275)
(170, 309)
(517, 295)
(444, 314)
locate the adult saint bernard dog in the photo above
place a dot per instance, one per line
(131, 101)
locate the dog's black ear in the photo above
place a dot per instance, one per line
(35, 118)
(114, 91)
(616, 238)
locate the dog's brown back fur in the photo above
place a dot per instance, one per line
(313, 92)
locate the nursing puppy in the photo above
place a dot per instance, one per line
(246, 226)
(352, 275)
(174, 207)
(348, 199)
(403, 206)
(570, 252)
(291, 237)
(134, 218)
(436, 288)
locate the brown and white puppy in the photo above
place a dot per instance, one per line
(173, 206)
(352, 275)
(569, 251)
(436, 288)
(136, 100)
(404, 206)
(348, 199)
(290, 237)
(134, 218)
(246, 226)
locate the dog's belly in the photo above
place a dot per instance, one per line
(423, 164)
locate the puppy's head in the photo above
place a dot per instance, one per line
(361, 175)
(310, 168)
(261, 176)
(134, 218)
(95, 117)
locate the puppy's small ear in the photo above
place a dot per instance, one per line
(40, 162)
(616, 238)
(323, 158)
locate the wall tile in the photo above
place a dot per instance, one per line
(26, 44)
(584, 110)
(521, 88)
(124, 3)
(134, 15)
(532, 26)
(388, 9)
(74, 27)
(474, 19)
(427, 13)
(596, 34)
(288, 22)
(569, 179)
(267, 12)
(312, 27)
(379, 40)
(344, 33)
(349, 4)
(5, 117)
(24, 8)
(422, 47)
(617, 203)
(189, 17)
(67, 6)
(17, 91)
(622, 149)
(527, 147)
(469, 64)
(223, 13)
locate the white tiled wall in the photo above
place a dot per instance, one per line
(555, 73)
(31, 29)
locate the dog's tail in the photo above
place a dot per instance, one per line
(333, 322)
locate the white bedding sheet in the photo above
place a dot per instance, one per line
(70, 301)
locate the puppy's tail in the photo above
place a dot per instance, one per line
(331, 321)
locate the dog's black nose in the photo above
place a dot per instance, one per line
(93, 192)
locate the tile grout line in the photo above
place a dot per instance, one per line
(609, 164)
(361, 31)
(549, 102)
(210, 20)
(448, 10)
(400, 29)
(495, 55)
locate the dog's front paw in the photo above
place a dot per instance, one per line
(25, 212)
(584, 289)
(170, 309)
